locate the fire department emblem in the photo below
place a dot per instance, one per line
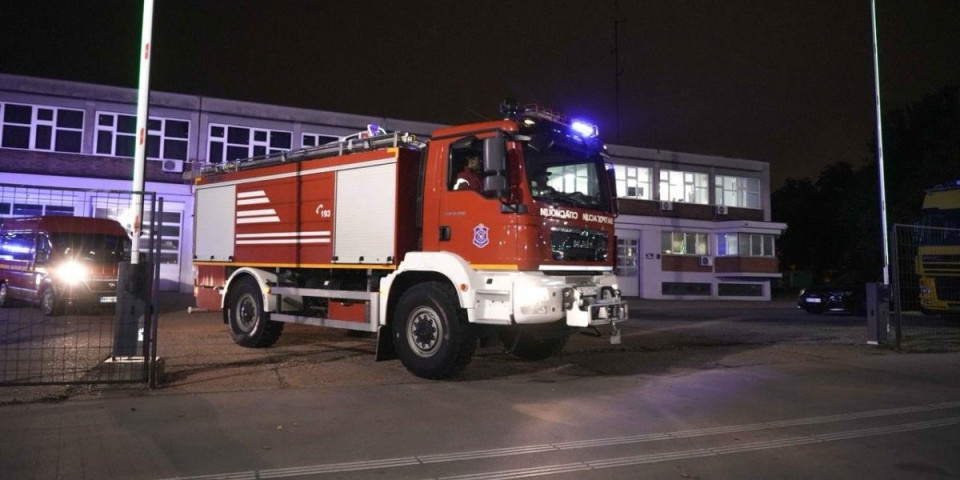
(481, 237)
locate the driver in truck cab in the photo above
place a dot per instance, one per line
(469, 177)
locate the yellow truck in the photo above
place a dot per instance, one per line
(938, 250)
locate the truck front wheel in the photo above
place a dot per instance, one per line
(50, 304)
(250, 326)
(431, 334)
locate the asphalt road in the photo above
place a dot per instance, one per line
(696, 390)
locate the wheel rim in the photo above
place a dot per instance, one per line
(424, 331)
(246, 313)
(47, 301)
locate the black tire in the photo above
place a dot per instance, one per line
(50, 305)
(431, 334)
(536, 343)
(250, 326)
(4, 296)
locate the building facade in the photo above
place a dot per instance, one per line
(690, 226)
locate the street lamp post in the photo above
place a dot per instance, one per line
(883, 193)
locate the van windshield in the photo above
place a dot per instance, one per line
(91, 247)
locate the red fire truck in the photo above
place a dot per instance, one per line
(383, 233)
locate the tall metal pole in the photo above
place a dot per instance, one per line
(617, 70)
(139, 156)
(883, 188)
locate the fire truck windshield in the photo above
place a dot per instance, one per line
(566, 176)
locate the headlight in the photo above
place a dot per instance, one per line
(72, 272)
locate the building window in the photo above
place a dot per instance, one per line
(682, 288)
(633, 182)
(572, 178)
(737, 191)
(684, 243)
(626, 257)
(169, 226)
(228, 143)
(316, 139)
(167, 138)
(745, 245)
(739, 290)
(689, 187)
(32, 127)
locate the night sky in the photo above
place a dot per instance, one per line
(783, 81)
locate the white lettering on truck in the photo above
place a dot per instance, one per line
(573, 215)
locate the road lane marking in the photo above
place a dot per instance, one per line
(600, 442)
(700, 452)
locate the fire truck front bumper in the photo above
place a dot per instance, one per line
(533, 300)
(603, 307)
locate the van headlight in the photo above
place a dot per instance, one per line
(72, 273)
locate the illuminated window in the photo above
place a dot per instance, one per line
(684, 243)
(228, 143)
(689, 187)
(167, 138)
(32, 127)
(737, 191)
(573, 178)
(633, 182)
(745, 245)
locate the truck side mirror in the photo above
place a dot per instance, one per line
(495, 165)
(612, 181)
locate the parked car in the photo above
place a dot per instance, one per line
(842, 295)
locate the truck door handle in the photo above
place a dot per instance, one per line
(444, 233)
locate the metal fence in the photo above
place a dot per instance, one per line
(925, 283)
(101, 338)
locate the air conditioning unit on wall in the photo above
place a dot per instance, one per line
(173, 166)
(666, 206)
(706, 261)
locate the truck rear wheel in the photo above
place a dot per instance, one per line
(250, 326)
(430, 332)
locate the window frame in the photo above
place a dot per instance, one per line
(158, 135)
(741, 244)
(627, 174)
(314, 139)
(701, 243)
(254, 146)
(694, 187)
(741, 189)
(49, 132)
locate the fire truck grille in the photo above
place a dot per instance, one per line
(580, 245)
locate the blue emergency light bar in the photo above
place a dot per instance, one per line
(584, 128)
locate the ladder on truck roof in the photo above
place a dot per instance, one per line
(352, 144)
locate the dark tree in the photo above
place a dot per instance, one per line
(833, 224)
